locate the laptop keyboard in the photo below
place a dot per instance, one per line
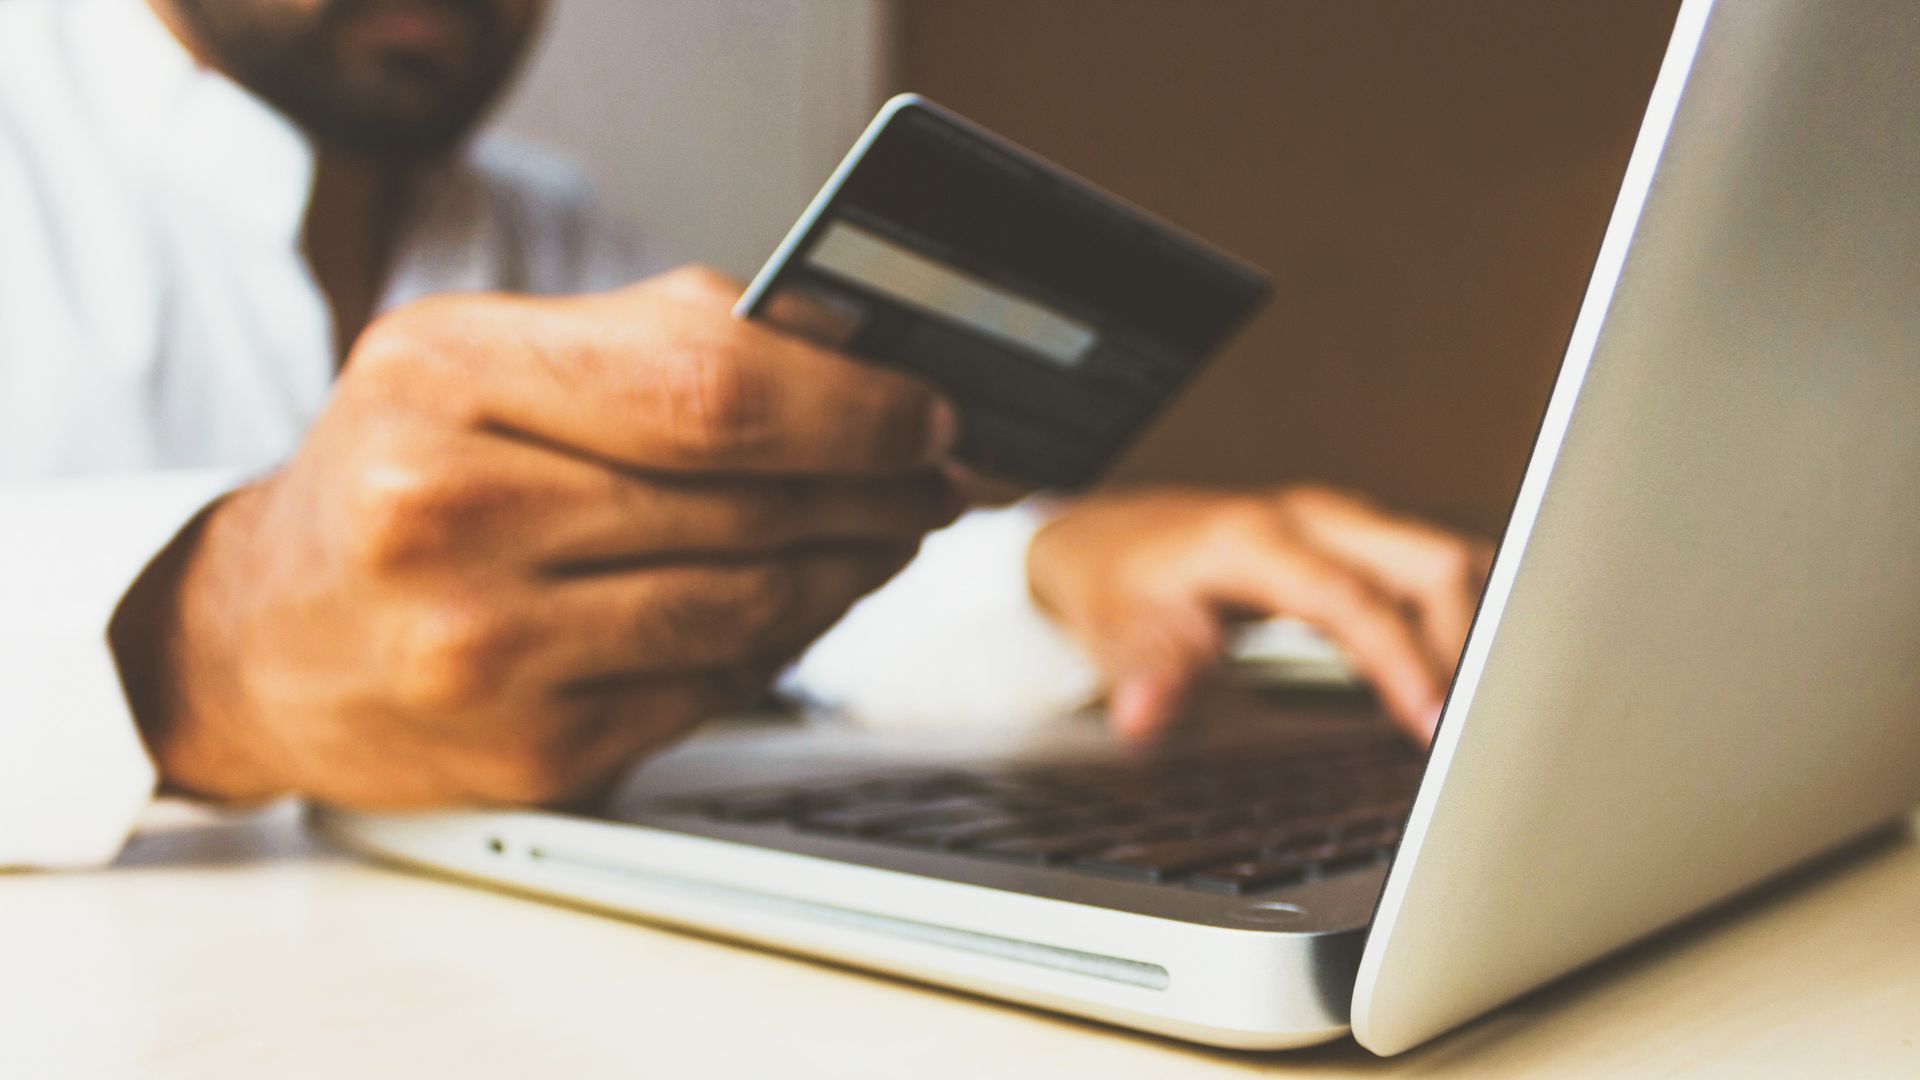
(1237, 822)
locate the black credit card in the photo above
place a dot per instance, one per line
(1058, 318)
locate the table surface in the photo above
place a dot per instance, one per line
(233, 947)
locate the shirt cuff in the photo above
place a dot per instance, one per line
(74, 775)
(955, 639)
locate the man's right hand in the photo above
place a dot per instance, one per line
(527, 541)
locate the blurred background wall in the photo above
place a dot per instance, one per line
(1427, 182)
(710, 122)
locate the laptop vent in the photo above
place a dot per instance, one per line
(1073, 961)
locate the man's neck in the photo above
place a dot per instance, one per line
(349, 236)
(351, 219)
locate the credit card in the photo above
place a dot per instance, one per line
(1059, 319)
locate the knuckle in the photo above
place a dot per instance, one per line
(452, 657)
(387, 530)
(398, 342)
(718, 407)
(1238, 522)
(425, 358)
(401, 514)
(390, 339)
(1306, 500)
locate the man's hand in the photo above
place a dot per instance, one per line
(527, 541)
(1150, 582)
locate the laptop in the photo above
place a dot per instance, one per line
(1696, 664)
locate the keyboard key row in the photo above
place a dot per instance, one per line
(1232, 825)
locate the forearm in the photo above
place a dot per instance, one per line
(163, 635)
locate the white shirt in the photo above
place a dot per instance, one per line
(162, 340)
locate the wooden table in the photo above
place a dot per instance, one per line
(232, 947)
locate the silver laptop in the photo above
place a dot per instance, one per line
(1696, 665)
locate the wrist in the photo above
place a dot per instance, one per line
(1041, 564)
(169, 636)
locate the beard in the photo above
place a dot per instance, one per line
(385, 79)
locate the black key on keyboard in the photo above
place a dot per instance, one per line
(856, 820)
(1164, 860)
(771, 807)
(955, 835)
(1284, 834)
(1068, 842)
(1043, 849)
(883, 816)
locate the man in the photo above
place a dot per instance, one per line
(260, 538)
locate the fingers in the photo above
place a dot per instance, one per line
(1132, 575)
(609, 629)
(1281, 575)
(1141, 706)
(1439, 574)
(658, 376)
(1158, 657)
(513, 504)
(752, 517)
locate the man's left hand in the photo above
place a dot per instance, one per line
(1151, 582)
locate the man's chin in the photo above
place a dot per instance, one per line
(388, 141)
(402, 122)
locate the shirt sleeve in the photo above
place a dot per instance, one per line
(955, 639)
(74, 775)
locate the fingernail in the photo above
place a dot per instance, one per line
(1433, 719)
(943, 429)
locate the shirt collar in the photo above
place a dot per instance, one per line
(205, 141)
(188, 128)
